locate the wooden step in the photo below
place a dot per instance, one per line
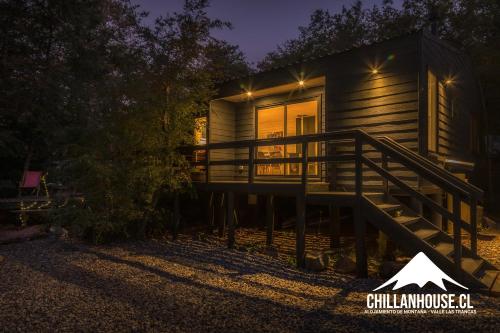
(489, 277)
(376, 197)
(406, 220)
(444, 248)
(471, 265)
(389, 207)
(495, 288)
(425, 233)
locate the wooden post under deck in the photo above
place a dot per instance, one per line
(221, 215)
(444, 220)
(177, 216)
(300, 230)
(230, 219)
(210, 211)
(435, 217)
(457, 234)
(269, 219)
(359, 222)
(334, 212)
(473, 225)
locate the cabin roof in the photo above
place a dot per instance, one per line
(237, 81)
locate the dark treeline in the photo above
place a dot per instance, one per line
(470, 25)
(100, 100)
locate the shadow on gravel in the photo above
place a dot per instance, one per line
(164, 298)
(139, 297)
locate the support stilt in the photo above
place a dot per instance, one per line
(230, 219)
(210, 212)
(300, 230)
(334, 226)
(269, 219)
(436, 218)
(360, 230)
(221, 218)
(177, 217)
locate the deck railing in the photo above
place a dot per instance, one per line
(390, 150)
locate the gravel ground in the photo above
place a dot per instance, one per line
(192, 286)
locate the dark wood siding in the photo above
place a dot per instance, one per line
(383, 104)
(457, 100)
(222, 129)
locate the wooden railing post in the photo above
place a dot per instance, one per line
(444, 225)
(473, 225)
(457, 232)
(251, 167)
(385, 181)
(304, 164)
(359, 167)
(359, 223)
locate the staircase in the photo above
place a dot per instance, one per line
(406, 227)
(410, 230)
(414, 234)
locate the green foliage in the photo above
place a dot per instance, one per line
(107, 101)
(473, 25)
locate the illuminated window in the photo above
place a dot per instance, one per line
(270, 125)
(432, 112)
(287, 120)
(200, 138)
(200, 131)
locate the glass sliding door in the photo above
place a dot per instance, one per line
(270, 125)
(298, 118)
(302, 119)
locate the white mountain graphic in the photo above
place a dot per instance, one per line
(419, 270)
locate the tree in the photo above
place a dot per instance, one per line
(86, 85)
(326, 33)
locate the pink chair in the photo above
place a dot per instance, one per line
(31, 181)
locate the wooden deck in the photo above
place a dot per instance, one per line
(369, 203)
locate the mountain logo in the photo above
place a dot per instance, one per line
(420, 270)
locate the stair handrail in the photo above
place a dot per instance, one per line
(415, 166)
(474, 191)
(437, 175)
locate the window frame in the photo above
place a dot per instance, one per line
(257, 108)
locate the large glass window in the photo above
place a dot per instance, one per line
(270, 125)
(200, 138)
(287, 120)
(200, 131)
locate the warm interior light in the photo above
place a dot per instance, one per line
(374, 71)
(301, 83)
(249, 93)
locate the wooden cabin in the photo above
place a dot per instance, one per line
(416, 89)
(363, 128)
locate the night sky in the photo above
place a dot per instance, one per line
(258, 25)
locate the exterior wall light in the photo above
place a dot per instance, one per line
(448, 82)
(301, 83)
(249, 93)
(374, 71)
